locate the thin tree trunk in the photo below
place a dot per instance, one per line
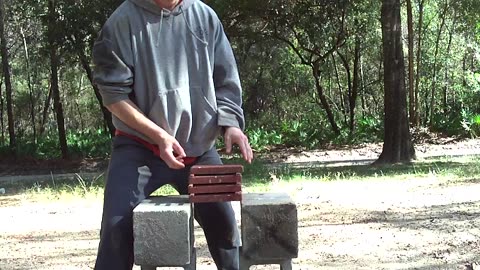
(77, 106)
(342, 100)
(352, 83)
(46, 107)
(348, 71)
(57, 104)
(30, 88)
(54, 64)
(323, 99)
(435, 63)
(8, 81)
(355, 84)
(411, 63)
(107, 115)
(2, 135)
(363, 88)
(330, 80)
(464, 69)
(447, 67)
(419, 62)
(397, 146)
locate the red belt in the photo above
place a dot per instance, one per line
(153, 147)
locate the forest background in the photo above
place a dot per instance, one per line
(314, 73)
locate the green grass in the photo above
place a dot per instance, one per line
(263, 177)
(259, 175)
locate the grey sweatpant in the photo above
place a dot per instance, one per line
(134, 173)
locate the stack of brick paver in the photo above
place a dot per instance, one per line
(215, 183)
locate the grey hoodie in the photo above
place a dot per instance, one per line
(176, 66)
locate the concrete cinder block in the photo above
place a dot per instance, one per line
(163, 231)
(269, 226)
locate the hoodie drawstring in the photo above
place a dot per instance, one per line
(190, 28)
(186, 23)
(160, 30)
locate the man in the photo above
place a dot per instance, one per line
(166, 71)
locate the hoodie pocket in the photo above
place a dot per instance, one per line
(204, 116)
(168, 109)
(186, 113)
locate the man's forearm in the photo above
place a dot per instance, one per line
(131, 115)
(170, 150)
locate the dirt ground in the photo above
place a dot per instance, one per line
(421, 224)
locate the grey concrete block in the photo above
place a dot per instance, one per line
(269, 226)
(163, 231)
(191, 266)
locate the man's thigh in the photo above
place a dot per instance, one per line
(129, 178)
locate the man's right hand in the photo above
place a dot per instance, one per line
(171, 151)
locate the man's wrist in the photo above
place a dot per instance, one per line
(157, 134)
(225, 128)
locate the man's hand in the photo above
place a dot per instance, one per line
(234, 135)
(170, 151)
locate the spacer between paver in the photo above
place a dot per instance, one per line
(208, 198)
(216, 169)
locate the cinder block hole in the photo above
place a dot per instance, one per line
(265, 267)
(164, 191)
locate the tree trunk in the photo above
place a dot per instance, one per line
(355, 84)
(323, 99)
(57, 104)
(411, 70)
(54, 63)
(8, 81)
(348, 103)
(464, 69)
(343, 108)
(363, 87)
(419, 62)
(447, 67)
(107, 115)
(45, 112)
(2, 134)
(77, 108)
(397, 146)
(435, 63)
(30, 88)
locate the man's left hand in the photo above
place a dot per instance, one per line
(234, 135)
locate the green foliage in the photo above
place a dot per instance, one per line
(303, 133)
(462, 117)
(277, 44)
(89, 143)
(307, 134)
(260, 138)
(458, 122)
(471, 124)
(369, 128)
(290, 133)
